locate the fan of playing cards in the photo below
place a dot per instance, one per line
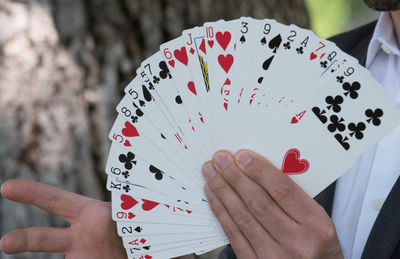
(279, 90)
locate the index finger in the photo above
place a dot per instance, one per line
(289, 196)
(52, 199)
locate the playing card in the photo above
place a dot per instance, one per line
(177, 57)
(149, 240)
(220, 49)
(170, 99)
(132, 229)
(134, 209)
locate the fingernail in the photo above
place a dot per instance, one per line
(208, 171)
(243, 158)
(220, 160)
(2, 189)
(208, 192)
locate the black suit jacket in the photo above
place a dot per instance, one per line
(384, 239)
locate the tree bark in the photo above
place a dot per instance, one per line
(63, 67)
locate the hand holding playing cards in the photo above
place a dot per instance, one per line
(264, 213)
(92, 233)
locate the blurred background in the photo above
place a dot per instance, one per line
(63, 67)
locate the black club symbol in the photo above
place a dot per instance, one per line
(286, 45)
(158, 174)
(134, 119)
(164, 73)
(340, 79)
(351, 89)
(127, 160)
(125, 174)
(324, 64)
(299, 50)
(151, 86)
(336, 124)
(127, 188)
(156, 79)
(357, 129)
(374, 116)
(334, 103)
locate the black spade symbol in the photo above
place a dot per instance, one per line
(178, 99)
(263, 41)
(138, 229)
(267, 63)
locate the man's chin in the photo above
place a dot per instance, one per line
(383, 5)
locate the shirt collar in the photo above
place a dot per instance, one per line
(384, 38)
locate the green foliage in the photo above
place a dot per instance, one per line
(330, 17)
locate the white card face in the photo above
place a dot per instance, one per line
(195, 43)
(165, 89)
(355, 111)
(183, 250)
(125, 164)
(124, 133)
(132, 208)
(122, 186)
(134, 229)
(177, 57)
(291, 148)
(164, 247)
(245, 42)
(164, 137)
(220, 49)
(149, 240)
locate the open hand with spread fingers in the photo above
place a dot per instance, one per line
(92, 233)
(263, 212)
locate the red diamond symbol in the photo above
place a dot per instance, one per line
(143, 241)
(191, 51)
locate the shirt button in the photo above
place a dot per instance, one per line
(385, 48)
(377, 204)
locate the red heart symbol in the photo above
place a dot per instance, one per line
(171, 63)
(149, 205)
(148, 256)
(225, 62)
(192, 87)
(189, 211)
(294, 120)
(130, 130)
(313, 56)
(292, 164)
(127, 143)
(210, 43)
(127, 202)
(131, 215)
(181, 55)
(223, 38)
(203, 46)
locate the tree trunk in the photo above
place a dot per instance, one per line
(63, 67)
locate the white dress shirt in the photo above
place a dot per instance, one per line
(361, 192)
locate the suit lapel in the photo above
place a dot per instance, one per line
(385, 233)
(383, 239)
(384, 236)
(325, 198)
